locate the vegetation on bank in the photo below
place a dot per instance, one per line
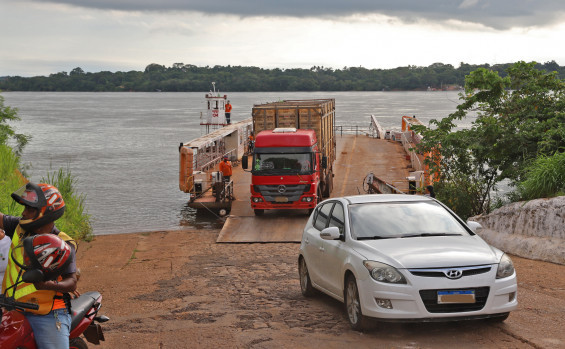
(75, 221)
(518, 137)
(182, 77)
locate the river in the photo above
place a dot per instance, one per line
(123, 147)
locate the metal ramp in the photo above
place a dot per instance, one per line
(356, 156)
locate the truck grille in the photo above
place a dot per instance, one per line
(291, 192)
(429, 297)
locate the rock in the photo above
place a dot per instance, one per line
(533, 229)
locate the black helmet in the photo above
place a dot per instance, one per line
(45, 198)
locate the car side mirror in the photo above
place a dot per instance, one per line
(330, 233)
(244, 163)
(474, 226)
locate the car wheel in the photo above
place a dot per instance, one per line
(305, 282)
(259, 212)
(357, 320)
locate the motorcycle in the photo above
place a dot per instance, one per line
(16, 332)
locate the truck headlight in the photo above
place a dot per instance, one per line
(256, 199)
(384, 273)
(505, 267)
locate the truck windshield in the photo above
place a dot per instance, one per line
(265, 164)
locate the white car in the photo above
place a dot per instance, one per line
(403, 258)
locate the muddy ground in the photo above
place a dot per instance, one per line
(181, 289)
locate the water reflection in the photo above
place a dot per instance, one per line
(199, 219)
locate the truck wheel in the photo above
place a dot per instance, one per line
(328, 186)
(259, 212)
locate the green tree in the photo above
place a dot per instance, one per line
(7, 133)
(518, 117)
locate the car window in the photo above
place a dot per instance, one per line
(323, 216)
(402, 219)
(337, 218)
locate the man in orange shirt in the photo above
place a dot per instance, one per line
(228, 112)
(225, 168)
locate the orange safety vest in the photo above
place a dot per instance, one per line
(26, 292)
(228, 108)
(225, 168)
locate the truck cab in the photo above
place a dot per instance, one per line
(285, 168)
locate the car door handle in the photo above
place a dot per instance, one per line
(321, 249)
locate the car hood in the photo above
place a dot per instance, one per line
(430, 252)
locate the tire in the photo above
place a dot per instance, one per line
(357, 320)
(305, 283)
(328, 186)
(259, 212)
(77, 343)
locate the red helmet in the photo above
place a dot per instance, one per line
(45, 198)
(46, 253)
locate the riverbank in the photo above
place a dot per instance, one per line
(181, 289)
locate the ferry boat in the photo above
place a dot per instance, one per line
(199, 176)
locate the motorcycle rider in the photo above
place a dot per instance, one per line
(43, 205)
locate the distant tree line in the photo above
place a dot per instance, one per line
(182, 77)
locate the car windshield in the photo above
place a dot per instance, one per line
(280, 163)
(402, 220)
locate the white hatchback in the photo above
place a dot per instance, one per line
(403, 258)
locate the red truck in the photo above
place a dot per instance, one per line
(292, 160)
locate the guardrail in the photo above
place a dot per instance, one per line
(408, 146)
(356, 130)
(377, 131)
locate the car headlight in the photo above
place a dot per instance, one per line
(505, 267)
(384, 273)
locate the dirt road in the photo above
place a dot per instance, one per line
(181, 289)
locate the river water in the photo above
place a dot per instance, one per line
(123, 147)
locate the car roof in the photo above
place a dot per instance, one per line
(369, 198)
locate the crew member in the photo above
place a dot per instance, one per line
(430, 191)
(228, 112)
(226, 169)
(251, 142)
(43, 205)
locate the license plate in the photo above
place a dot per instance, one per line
(281, 199)
(462, 296)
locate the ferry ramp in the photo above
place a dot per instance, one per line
(357, 155)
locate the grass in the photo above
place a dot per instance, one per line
(75, 222)
(545, 177)
(10, 180)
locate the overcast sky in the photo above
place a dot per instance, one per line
(41, 37)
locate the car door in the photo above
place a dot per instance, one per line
(334, 252)
(314, 244)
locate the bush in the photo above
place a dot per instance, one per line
(75, 222)
(10, 180)
(545, 177)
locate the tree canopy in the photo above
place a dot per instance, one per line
(182, 77)
(519, 117)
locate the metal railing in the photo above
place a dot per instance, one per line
(355, 129)
(408, 148)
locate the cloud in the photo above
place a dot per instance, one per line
(498, 14)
